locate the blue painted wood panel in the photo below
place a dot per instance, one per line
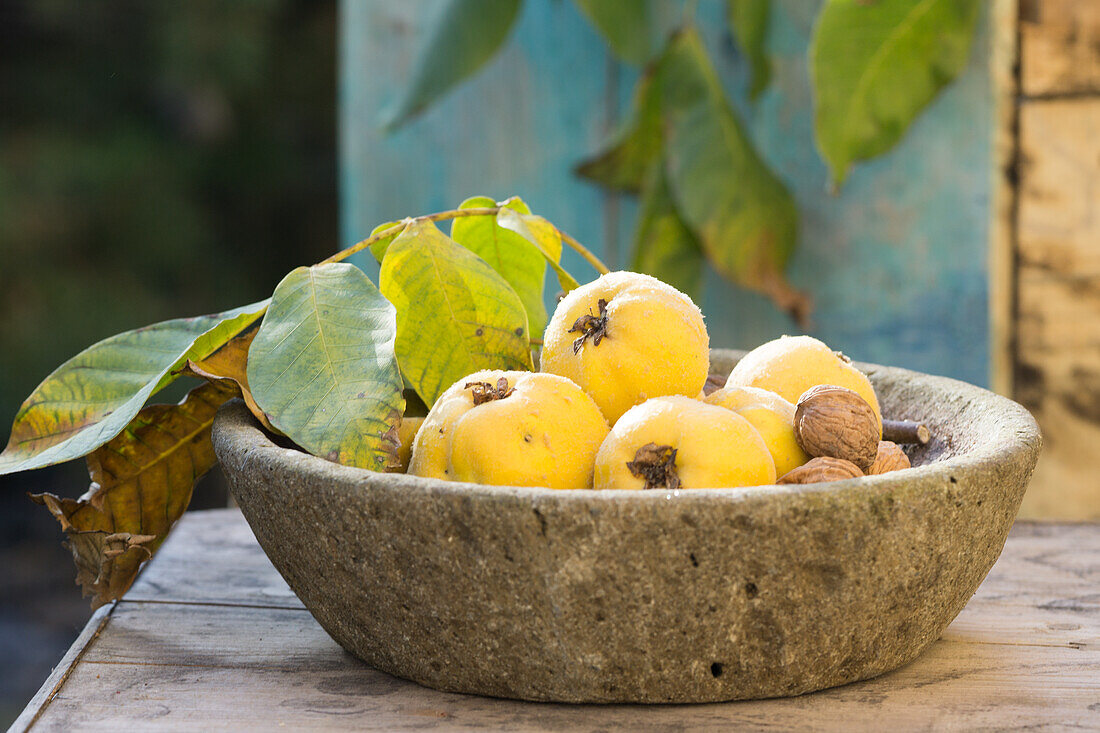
(896, 261)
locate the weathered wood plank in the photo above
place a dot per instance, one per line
(1058, 331)
(212, 557)
(1059, 226)
(1025, 652)
(1060, 46)
(1046, 565)
(238, 637)
(1004, 57)
(953, 685)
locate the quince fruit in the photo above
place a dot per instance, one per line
(678, 442)
(626, 337)
(511, 429)
(790, 365)
(773, 418)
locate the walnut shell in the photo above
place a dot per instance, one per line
(822, 468)
(890, 457)
(837, 422)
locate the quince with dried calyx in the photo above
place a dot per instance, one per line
(791, 365)
(773, 418)
(678, 442)
(511, 429)
(625, 338)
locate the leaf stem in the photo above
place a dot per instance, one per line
(377, 236)
(584, 252)
(343, 254)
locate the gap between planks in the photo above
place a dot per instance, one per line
(216, 604)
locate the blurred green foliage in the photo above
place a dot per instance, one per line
(156, 160)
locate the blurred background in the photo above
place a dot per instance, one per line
(168, 159)
(157, 160)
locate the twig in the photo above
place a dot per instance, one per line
(342, 255)
(905, 431)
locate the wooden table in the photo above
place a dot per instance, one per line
(210, 637)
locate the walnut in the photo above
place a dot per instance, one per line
(890, 457)
(822, 468)
(835, 421)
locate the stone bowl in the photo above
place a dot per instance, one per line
(646, 596)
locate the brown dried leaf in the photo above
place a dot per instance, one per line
(141, 484)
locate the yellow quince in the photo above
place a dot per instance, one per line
(773, 418)
(511, 429)
(790, 365)
(625, 338)
(678, 442)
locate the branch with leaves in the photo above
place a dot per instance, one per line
(707, 195)
(328, 361)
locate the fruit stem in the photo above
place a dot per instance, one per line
(483, 392)
(590, 326)
(656, 464)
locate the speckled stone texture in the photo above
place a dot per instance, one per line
(688, 596)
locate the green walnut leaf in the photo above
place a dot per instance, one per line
(516, 259)
(544, 235)
(744, 216)
(664, 246)
(876, 65)
(90, 398)
(323, 369)
(749, 22)
(630, 153)
(627, 25)
(455, 314)
(464, 36)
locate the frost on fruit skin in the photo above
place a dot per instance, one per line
(511, 428)
(790, 365)
(708, 447)
(626, 337)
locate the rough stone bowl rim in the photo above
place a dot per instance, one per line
(996, 447)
